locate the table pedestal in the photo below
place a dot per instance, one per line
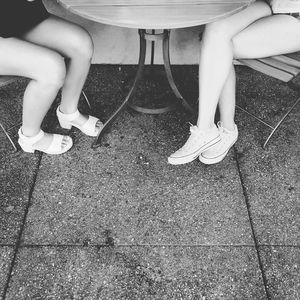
(153, 37)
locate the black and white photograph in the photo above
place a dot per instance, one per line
(149, 150)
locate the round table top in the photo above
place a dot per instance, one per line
(154, 14)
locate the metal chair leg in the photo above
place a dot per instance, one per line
(9, 138)
(86, 99)
(280, 122)
(268, 125)
(254, 116)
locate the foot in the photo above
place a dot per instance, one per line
(45, 142)
(217, 153)
(82, 119)
(89, 125)
(198, 142)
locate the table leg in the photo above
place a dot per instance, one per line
(165, 38)
(154, 37)
(167, 65)
(142, 57)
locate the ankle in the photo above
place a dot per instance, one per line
(206, 127)
(67, 110)
(228, 125)
(30, 132)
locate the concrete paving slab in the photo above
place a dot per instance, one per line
(126, 193)
(6, 254)
(271, 176)
(127, 189)
(137, 273)
(17, 169)
(11, 97)
(282, 269)
(16, 179)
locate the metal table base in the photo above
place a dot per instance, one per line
(144, 37)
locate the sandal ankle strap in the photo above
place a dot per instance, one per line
(67, 117)
(31, 139)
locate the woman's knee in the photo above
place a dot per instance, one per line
(80, 44)
(218, 31)
(52, 70)
(227, 28)
(238, 49)
(268, 37)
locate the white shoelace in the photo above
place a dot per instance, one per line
(193, 140)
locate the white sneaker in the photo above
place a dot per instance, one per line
(198, 142)
(216, 153)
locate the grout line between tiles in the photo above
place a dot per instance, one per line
(18, 242)
(248, 206)
(148, 245)
(135, 245)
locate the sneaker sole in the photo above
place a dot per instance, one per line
(215, 160)
(189, 158)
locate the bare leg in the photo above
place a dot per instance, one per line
(216, 58)
(275, 35)
(47, 71)
(227, 101)
(252, 33)
(260, 39)
(217, 83)
(76, 45)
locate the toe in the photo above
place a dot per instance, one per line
(98, 126)
(65, 141)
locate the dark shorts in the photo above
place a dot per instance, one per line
(19, 16)
(295, 15)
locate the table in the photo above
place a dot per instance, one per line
(145, 15)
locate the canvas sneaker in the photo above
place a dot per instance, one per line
(198, 142)
(216, 153)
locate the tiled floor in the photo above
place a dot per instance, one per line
(118, 222)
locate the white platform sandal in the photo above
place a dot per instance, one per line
(28, 143)
(88, 128)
